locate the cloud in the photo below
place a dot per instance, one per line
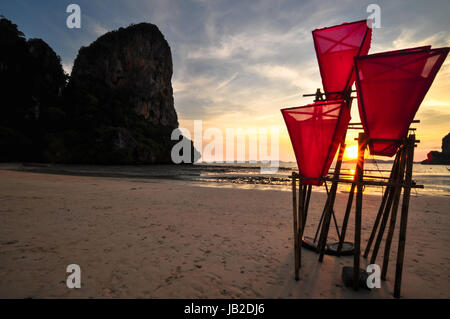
(94, 27)
(434, 117)
(301, 76)
(252, 44)
(434, 103)
(410, 38)
(67, 67)
(98, 29)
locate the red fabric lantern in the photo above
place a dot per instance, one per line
(391, 87)
(316, 131)
(335, 49)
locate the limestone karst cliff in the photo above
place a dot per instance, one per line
(136, 63)
(120, 94)
(116, 108)
(31, 84)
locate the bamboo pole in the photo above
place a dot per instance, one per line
(387, 209)
(333, 215)
(390, 234)
(321, 243)
(335, 224)
(358, 211)
(366, 182)
(301, 214)
(299, 204)
(320, 221)
(322, 215)
(294, 202)
(346, 217)
(380, 211)
(404, 215)
(302, 204)
(308, 197)
(305, 188)
(332, 197)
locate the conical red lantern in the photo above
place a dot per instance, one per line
(316, 131)
(391, 87)
(335, 49)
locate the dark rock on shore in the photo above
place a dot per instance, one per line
(440, 158)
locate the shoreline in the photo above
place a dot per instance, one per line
(215, 176)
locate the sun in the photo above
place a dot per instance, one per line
(351, 152)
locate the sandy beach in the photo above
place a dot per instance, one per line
(160, 238)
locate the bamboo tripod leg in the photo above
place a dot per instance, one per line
(306, 195)
(404, 215)
(390, 234)
(331, 197)
(336, 225)
(384, 220)
(357, 243)
(306, 207)
(377, 221)
(296, 251)
(324, 232)
(305, 188)
(300, 202)
(386, 212)
(380, 212)
(301, 214)
(325, 228)
(346, 217)
(358, 211)
(302, 205)
(333, 215)
(321, 221)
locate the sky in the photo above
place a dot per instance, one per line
(237, 63)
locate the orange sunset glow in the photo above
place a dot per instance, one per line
(351, 152)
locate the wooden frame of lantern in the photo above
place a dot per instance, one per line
(400, 178)
(387, 197)
(328, 211)
(323, 57)
(300, 207)
(414, 63)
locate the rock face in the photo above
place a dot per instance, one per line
(117, 107)
(135, 61)
(31, 83)
(446, 144)
(442, 158)
(120, 93)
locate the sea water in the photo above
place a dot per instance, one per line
(434, 178)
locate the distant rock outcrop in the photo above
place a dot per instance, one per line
(442, 158)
